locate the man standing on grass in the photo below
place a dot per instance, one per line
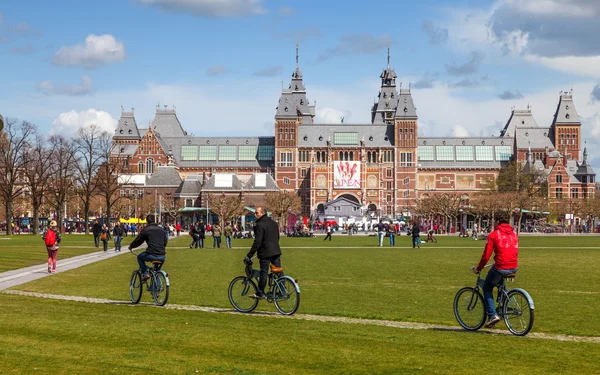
(380, 232)
(505, 244)
(96, 230)
(266, 244)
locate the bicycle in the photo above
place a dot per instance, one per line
(158, 283)
(515, 306)
(283, 291)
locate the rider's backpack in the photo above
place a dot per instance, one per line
(50, 238)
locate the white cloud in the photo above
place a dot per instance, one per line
(84, 88)
(459, 131)
(579, 65)
(209, 8)
(67, 123)
(97, 50)
(328, 115)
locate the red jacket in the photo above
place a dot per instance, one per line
(505, 244)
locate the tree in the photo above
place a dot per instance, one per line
(89, 160)
(13, 145)
(109, 177)
(282, 203)
(35, 175)
(62, 174)
(226, 206)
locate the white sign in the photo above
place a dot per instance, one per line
(346, 175)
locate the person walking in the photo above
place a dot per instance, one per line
(216, 232)
(125, 229)
(266, 244)
(380, 232)
(194, 235)
(178, 229)
(104, 236)
(329, 232)
(133, 229)
(201, 228)
(416, 241)
(96, 229)
(118, 235)
(52, 238)
(392, 234)
(228, 232)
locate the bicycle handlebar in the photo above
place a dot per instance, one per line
(486, 266)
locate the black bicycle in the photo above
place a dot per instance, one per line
(157, 284)
(283, 291)
(515, 306)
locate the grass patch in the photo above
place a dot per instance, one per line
(353, 277)
(58, 337)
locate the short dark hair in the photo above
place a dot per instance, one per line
(502, 217)
(150, 219)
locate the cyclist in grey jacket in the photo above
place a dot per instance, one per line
(156, 238)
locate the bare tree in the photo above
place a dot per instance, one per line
(36, 174)
(62, 174)
(226, 206)
(282, 203)
(109, 177)
(13, 144)
(89, 159)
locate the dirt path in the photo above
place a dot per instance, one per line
(319, 318)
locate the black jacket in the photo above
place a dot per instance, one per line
(415, 230)
(118, 231)
(266, 238)
(155, 236)
(96, 228)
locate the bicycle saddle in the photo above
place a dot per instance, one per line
(156, 261)
(510, 276)
(276, 269)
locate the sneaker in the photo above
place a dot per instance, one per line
(49, 269)
(492, 321)
(145, 277)
(258, 295)
(54, 270)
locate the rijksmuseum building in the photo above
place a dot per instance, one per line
(344, 170)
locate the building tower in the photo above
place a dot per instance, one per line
(566, 127)
(384, 109)
(406, 134)
(293, 109)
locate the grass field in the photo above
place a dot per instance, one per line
(349, 277)
(26, 250)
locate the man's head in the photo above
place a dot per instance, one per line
(117, 223)
(150, 219)
(53, 223)
(502, 217)
(260, 212)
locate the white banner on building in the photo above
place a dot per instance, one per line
(346, 175)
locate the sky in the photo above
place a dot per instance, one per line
(222, 63)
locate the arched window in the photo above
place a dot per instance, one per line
(318, 156)
(346, 155)
(323, 157)
(341, 155)
(149, 165)
(351, 156)
(141, 167)
(559, 178)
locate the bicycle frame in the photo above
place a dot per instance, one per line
(502, 295)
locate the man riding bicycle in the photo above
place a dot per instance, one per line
(505, 244)
(266, 243)
(156, 238)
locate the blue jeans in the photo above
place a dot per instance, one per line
(392, 239)
(145, 256)
(380, 234)
(217, 241)
(117, 242)
(416, 242)
(228, 242)
(493, 278)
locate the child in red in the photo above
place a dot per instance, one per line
(52, 240)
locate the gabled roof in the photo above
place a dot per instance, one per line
(223, 182)
(164, 176)
(166, 124)
(189, 188)
(565, 111)
(127, 127)
(339, 200)
(534, 137)
(518, 118)
(584, 169)
(261, 181)
(406, 106)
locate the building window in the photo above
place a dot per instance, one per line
(559, 192)
(351, 156)
(227, 153)
(406, 181)
(406, 159)
(266, 153)
(140, 193)
(189, 153)
(425, 153)
(484, 153)
(304, 156)
(123, 193)
(503, 153)
(189, 202)
(303, 172)
(559, 178)
(141, 167)
(575, 193)
(400, 133)
(388, 172)
(208, 153)
(445, 180)
(444, 153)
(286, 180)
(464, 153)
(388, 198)
(406, 193)
(345, 139)
(247, 153)
(388, 210)
(150, 165)
(388, 156)
(388, 185)
(285, 159)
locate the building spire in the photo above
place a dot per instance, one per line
(296, 55)
(388, 57)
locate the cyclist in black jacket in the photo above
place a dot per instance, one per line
(156, 238)
(266, 243)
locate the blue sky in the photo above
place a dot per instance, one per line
(221, 63)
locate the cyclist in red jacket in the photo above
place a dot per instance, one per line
(505, 244)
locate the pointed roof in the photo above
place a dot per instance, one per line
(189, 188)
(166, 123)
(293, 102)
(384, 108)
(518, 118)
(127, 127)
(165, 176)
(406, 106)
(585, 169)
(565, 111)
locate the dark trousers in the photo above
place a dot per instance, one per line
(146, 256)
(97, 239)
(264, 271)
(327, 236)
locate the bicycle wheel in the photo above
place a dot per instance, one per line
(518, 314)
(285, 296)
(240, 290)
(159, 288)
(135, 287)
(469, 309)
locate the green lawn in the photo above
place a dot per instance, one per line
(25, 250)
(349, 277)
